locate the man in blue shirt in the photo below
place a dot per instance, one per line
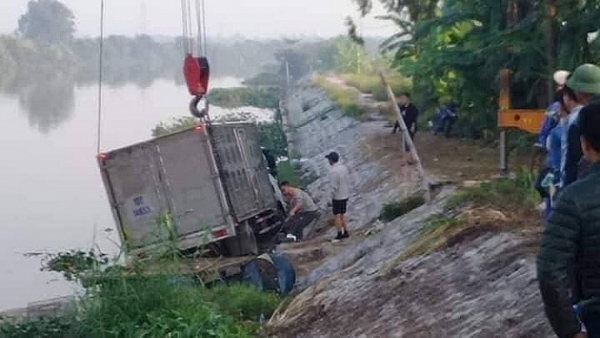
(551, 121)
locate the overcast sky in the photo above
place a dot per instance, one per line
(248, 18)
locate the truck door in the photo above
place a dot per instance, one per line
(132, 180)
(197, 198)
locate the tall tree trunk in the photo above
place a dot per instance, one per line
(550, 46)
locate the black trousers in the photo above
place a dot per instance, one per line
(295, 225)
(538, 183)
(412, 135)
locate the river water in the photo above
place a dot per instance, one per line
(52, 196)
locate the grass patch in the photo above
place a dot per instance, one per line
(132, 304)
(157, 307)
(260, 97)
(371, 84)
(503, 194)
(393, 210)
(286, 172)
(434, 235)
(474, 211)
(345, 98)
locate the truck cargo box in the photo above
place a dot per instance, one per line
(174, 175)
(195, 186)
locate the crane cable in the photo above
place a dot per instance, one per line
(191, 44)
(196, 65)
(100, 72)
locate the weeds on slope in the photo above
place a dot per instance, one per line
(345, 97)
(504, 194)
(496, 205)
(133, 302)
(371, 84)
(393, 210)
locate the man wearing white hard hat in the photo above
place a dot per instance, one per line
(560, 78)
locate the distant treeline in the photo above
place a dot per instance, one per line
(141, 59)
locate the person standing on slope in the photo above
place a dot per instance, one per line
(585, 82)
(340, 193)
(568, 264)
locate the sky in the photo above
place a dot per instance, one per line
(225, 18)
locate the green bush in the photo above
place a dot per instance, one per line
(393, 210)
(243, 302)
(63, 327)
(128, 303)
(161, 306)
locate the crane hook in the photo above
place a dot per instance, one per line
(196, 112)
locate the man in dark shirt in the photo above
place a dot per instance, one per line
(568, 263)
(271, 161)
(585, 82)
(410, 114)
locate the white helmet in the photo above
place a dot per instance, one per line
(560, 77)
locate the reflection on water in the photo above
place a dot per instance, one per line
(52, 195)
(48, 102)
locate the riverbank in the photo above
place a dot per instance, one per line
(461, 266)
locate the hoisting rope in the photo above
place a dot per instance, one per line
(100, 71)
(196, 69)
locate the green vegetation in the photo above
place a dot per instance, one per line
(260, 97)
(472, 211)
(345, 97)
(156, 307)
(371, 84)
(64, 327)
(175, 125)
(434, 236)
(127, 302)
(270, 135)
(456, 51)
(503, 194)
(286, 172)
(393, 210)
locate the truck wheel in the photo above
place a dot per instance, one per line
(244, 243)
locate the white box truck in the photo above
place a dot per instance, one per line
(203, 187)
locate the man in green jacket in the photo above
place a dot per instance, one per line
(569, 259)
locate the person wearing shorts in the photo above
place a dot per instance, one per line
(340, 193)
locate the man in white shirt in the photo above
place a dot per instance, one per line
(340, 193)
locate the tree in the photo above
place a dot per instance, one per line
(47, 21)
(456, 49)
(350, 57)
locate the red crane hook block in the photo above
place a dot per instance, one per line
(197, 74)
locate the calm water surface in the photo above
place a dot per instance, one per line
(51, 194)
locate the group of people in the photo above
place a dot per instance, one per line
(303, 210)
(569, 259)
